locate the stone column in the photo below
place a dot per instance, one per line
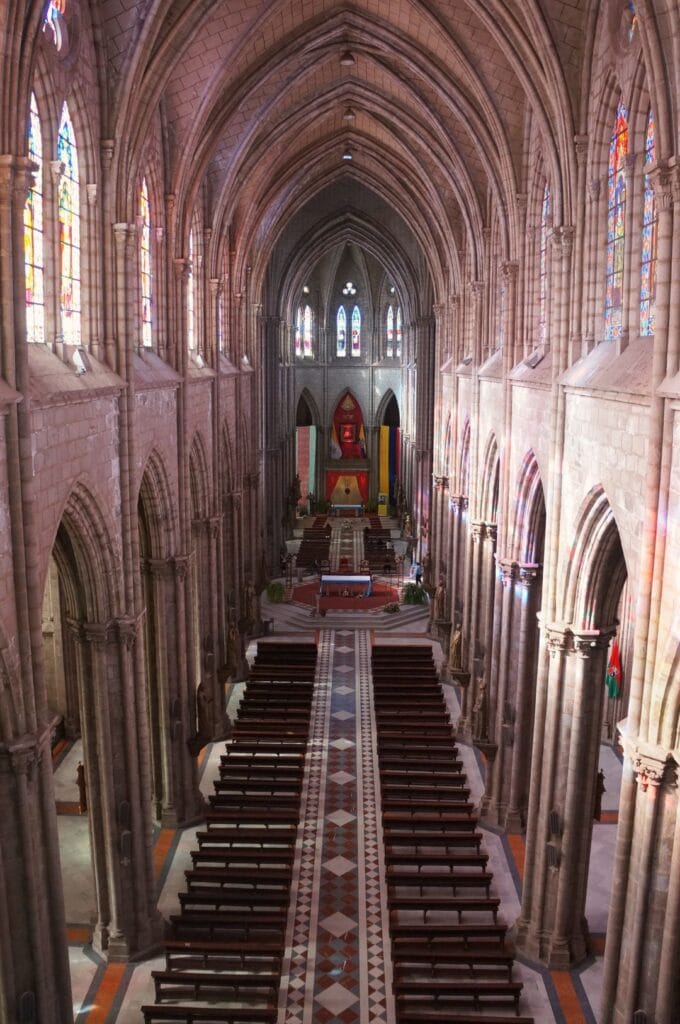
(552, 926)
(591, 314)
(515, 783)
(186, 685)
(471, 620)
(504, 608)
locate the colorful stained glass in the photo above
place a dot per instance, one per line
(299, 327)
(632, 27)
(53, 22)
(649, 235)
(341, 332)
(33, 235)
(307, 332)
(191, 295)
(397, 332)
(390, 332)
(69, 229)
(145, 264)
(356, 332)
(616, 223)
(543, 268)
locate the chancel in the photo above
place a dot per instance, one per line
(339, 518)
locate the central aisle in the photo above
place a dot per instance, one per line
(337, 943)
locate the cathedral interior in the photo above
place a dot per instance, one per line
(339, 505)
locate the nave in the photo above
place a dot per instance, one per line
(337, 963)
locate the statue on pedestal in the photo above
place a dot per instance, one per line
(439, 601)
(455, 663)
(480, 711)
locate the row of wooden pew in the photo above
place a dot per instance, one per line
(450, 958)
(315, 549)
(228, 941)
(378, 550)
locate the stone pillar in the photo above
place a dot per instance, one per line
(471, 620)
(504, 609)
(552, 926)
(514, 788)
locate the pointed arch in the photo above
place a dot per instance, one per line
(528, 528)
(83, 549)
(489, 482)
(159, 513)
(34, 242)
(464, 464)
(388, 404)
(596, 569)
(69, 229)
(306, 398)
(199, 479)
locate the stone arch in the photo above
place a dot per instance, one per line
(83, 548)
(199, 479)
(528, 528)
(388, 403)
(489, 483)
(596, 570)
(312, 416)
(464, 463)
(158, 509)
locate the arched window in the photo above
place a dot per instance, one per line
(616, 224)
(307, 332)
(397, 337)
(543, 267)
(390, 332)
(632, 26)
(649, 232)
(69, 229)
(341, 332)
(191, 293)
(33, 235)
(356, 332)
(298, 331)
(145, 263)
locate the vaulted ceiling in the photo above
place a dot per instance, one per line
(257, 102)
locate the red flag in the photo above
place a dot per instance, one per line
(613, 677)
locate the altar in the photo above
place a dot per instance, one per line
(337, 508)
(339, 584)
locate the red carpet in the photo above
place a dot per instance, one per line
(382, 594)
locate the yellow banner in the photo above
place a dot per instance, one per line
(384, 486)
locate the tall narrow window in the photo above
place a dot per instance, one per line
(307, 332)
(632, 26)
(299, 327)
(616, 224)
(543, 268)
(33, 235)
(390, 332)
(397, 335)
(341, 332)
(649, 233)
(356, 332)
(191, 296)
(145, 263)
(69, 229)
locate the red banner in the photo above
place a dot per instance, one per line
(346, 488)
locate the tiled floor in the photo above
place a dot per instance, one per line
(337, 966)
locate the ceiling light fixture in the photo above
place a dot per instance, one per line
(305, 289)
(347, 155)
(349, 289)
(347, 59)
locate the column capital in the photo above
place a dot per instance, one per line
(594, 189)
(508, 569)
(664, 182)
(180, 564)
(20, 756)
(562, 240)
(478, 529)
(183, 268)
(159, 568)
(581, 147)
(654, 766)
(476, 288)
(509, 270)
(528, 574)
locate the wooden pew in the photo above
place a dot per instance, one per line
(452, 991)
(195, 984)
(266, 1014)
(450, 904)
(434, 935)
(188, 954)
(448, 880)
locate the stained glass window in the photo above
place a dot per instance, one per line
(33, 235)
(633, 20)
(390, 332)
(307, 331)
(356, 332)
(649, 232)
(341, 332)
(543, 267)
(299, 326)
(616, 223)
(191, 297)
(69, 229)
(145, 263)
(53, 22)
(397, 335)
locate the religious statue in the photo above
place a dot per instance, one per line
(82, 788)
(250, 606)
(234, 650)
(408, 525)
(203, 714)
(455, 664)
(480, 711)
(439, 601)
(427, 565)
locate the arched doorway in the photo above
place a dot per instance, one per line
(389, 463)
(306, 441)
